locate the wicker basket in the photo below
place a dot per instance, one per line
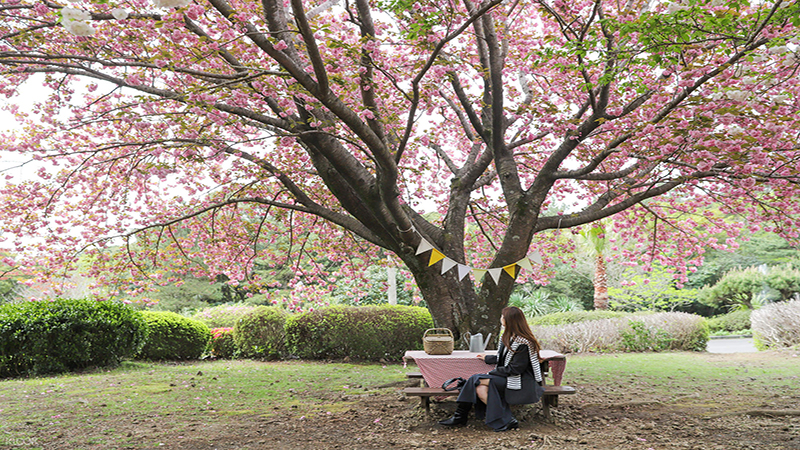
(438, 341)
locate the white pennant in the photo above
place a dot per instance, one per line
(535, 257)
(525, 263)
(447, 264)
(463, 271)
(495, 273)
(424, 246)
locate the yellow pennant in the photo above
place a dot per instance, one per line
(436, 256)
(479, 273)
(511, 269)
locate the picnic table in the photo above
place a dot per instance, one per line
(436, 369)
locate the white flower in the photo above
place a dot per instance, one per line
(674, 7)
(738, 96)
(780, 98)
(77, 21)
(779, 50)
(74, 14)
(119, 13)
(170, 3)
(79, 27)
(749, 80)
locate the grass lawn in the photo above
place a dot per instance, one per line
(189, 394)
(116, 408)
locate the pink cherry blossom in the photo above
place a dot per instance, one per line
(213, 141)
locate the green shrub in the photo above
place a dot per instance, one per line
(661, 331)
(367, 332)
(222, 344)
(173, 337)
(776, 325)
(737, 289)
(223, 316)
(640, 338)
(260, 333)
(561, 318)
(63, 335)
(738, 320)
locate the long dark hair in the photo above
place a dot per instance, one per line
(516, 325)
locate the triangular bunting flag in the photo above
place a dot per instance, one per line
(495, 273)
(479, 273)
(511, 269)
(436, 256)
(463, 271)
(447, 264)
(424, 246)
(525, 263)
(535, 257)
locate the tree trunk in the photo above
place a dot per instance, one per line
(454, 304)
(600, 283)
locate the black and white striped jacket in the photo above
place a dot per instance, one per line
(517, 365)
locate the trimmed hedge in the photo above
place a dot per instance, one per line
(776, 325)
(173, 337)
(260, 333)
(365, 332)
(67, 334)
(561, 318)
(656, 332)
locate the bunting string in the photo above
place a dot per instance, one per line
(463, 270)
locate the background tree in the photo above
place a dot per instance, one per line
(654, 290)
(203, 123)
(754, 249)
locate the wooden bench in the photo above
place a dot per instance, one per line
(550, 398)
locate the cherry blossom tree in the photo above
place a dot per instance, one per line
(199, 131)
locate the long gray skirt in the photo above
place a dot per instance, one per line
(496, 411)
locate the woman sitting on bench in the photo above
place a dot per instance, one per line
(516, 379)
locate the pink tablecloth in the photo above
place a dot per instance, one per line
(557, 364)
(436, 369)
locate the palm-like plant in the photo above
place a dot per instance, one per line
(595, 239)
(540, 303)
(536, 303)
(565, 304)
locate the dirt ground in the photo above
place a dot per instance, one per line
(631, 418)
(587, 420)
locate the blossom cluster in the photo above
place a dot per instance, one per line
(77, 22)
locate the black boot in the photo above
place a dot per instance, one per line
(511, 425)
(460, 416)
